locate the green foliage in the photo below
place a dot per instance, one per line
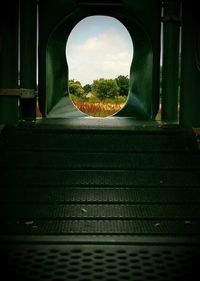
(120, 99)
(123, 84)
(105, 88)
(113, 91)
(76, 99)
(93, 99)
(75, 88)
(87, 88)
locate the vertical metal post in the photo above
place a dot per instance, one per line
(190, 66)
(9, 104)
(28, 44)
(170, 68)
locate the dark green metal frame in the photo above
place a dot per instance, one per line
(143, 98)
(55, 25)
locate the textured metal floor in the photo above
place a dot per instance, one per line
(111, 203)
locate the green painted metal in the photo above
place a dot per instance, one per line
(9, 109)
(28, 44)
(62, 16)
(89, 202)
(136, 16)
(100, 199)
(170, 67)
(190, 70)
(9, 45)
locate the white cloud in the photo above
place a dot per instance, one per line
(106, 55)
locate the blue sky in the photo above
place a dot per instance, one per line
(98, 47)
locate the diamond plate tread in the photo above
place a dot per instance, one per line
(50, 177)
(99, 211)
(99, 160)
(125, 227)
(138, 195)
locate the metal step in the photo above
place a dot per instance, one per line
(106, 204)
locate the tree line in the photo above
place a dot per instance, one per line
(101, 88)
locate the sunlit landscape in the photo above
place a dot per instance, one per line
(99, 53)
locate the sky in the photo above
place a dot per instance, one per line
(98, 47)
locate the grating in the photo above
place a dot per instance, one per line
(106, 262)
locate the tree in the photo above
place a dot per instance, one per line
(105, 88)
(123, 84)
(75, 88)
(87, 88)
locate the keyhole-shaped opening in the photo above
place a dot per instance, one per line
(99, 53)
